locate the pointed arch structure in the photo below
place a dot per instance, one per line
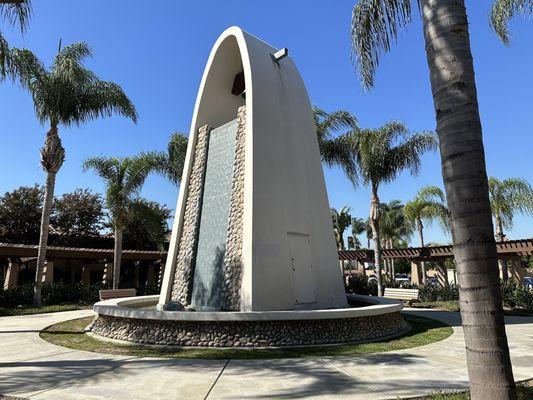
(287, 250)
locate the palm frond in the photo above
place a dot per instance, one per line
(102, 99)
(105, 167)
(503, 11)
(375, 26)
(16, 12)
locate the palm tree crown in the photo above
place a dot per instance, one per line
(123, 178)
(428, 205)
(333, 130)
(359, 226)
(170, 164)
(381, 154)
(507, 197)
(14, 13)
(68, 93)
(503, 11)
(341, 221)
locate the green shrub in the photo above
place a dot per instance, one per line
(515, 295)
(61, 293)
(438, 293)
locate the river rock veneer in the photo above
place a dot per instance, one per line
(250, 333)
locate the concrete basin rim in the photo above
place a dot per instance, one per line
(122, 308)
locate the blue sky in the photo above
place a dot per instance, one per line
(157, 52)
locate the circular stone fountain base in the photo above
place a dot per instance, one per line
(128, 320)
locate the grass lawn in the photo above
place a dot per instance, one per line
(70, 334)
(525, 392)
(26, 310)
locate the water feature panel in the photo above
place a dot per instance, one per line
(212, 234)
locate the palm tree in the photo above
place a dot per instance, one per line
(503, 11)
(428, 205)
(170, 163)
(332, 130)
(341, 221)
(65, 94)
(358, 227)
(15, 13)
(380, 155)
(507, 197)
(375, 26)
(123, 178)
(393, 227)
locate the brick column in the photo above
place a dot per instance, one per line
(107, 276)
(12, 275)
(86, 275)
(150, 274)
(48, 273)
(416, 276)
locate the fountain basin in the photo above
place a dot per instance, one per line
(136, 320)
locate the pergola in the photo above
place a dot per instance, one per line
(78, 260)
(508, 250)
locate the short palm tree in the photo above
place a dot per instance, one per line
(341, 221)
(358, 227)
(393, 227)
(66, 94)
(14, 13)
(333, 130)
(170, 164)
(508, 197)
(380, 155)
(375, 28)
(503, 11)
(124, 178)
(428, 205)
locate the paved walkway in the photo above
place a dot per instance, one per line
(31, 367)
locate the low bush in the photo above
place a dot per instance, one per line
(438, 293)
(515, 295)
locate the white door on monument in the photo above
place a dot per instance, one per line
(302, 268)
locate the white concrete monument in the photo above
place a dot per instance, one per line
(252, 229)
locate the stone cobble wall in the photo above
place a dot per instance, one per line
(231, 289)
(250, 333)
(184, 272)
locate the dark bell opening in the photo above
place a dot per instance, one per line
(239, 88)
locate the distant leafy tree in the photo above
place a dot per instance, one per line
(20, 213)
(65, 94)
(170, 164)
(124, 178)
(14, 13)
(80, 213)
(146, 226)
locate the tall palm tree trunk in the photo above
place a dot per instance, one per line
(463, 170)
(52, 157)
(374, 224)
(43, 236)
(117, 257)
(420, 227)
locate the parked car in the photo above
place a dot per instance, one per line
(401, 277)
(528, 282)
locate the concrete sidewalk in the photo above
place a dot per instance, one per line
(31, 367)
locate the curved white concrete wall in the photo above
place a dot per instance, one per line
(286, 212)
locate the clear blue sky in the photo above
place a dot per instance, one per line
(157, 51)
